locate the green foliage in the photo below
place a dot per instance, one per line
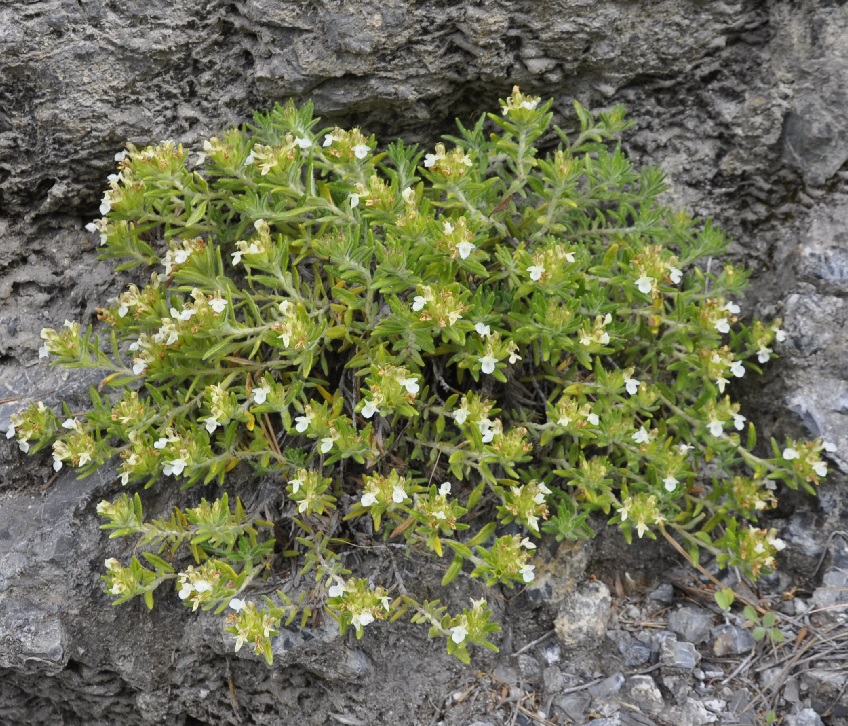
(447, 351)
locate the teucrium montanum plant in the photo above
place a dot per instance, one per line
(463, 349)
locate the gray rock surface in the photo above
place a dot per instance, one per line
(742, 102)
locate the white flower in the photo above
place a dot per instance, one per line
(732, 308)
(527, 573)
(445, 489)
(641, 436)
(645, 284)
(354, 200)
(368, 499)
(528, 544)
(337, 590)
(820, 467)
(482, 329)
(174, 468)
(764, 354)
(296, 484)
(675, 275)
(212, 424)
(218, 304)
(399, 495)
(139, 366)
(737, 369)
(458, 633)
(487, 363)
(302, 423)
(43, 352)
(411, 385)
(715, 427)
(237, 604)
(465, 249)
(261, 394)
(326, 444)
(670, 483)
(778, 544)
(418, 303)
(789, 454)
(829, 446)
(514, 357)
(408, 195)
(202, 586)
(185, 590)
(779, 335)
(722, 325)
(360, 151)
(122, 310)
(69, 423)
(369, 409)
(303, 143)
(487, 430)
(121, 155)
(57, 462)
(739, 421)
(447, 227)
(563, 421)
(10, 432)
(328, 139)
(460, 415)
(684, 448)
(160, 443)
(593, 419)
(721, 382)
(360, 620)
(24, 446)
(632, 386)
(536, 272)
(105, 206)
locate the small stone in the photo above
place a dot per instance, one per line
(807, 717)
(731, 640)
(552, 679)
(529, 667)
(827, 691)
(662, 595)
(694, 713)
(716, 705)
(644, 693)
(574, 705)
(583, 617)
(682, 656)
(633, 651)
(692, 624)
(607, 687)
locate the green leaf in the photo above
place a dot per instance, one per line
(452, 571)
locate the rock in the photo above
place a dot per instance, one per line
(827, 691)
(805, 717)
(573, 705)
(644, 693)
(607, 687)
(692, 624)
(583, 617)
(662, 594)
(679, 656)
(633, 651)
(731, 640)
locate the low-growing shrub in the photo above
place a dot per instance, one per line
(464, 353)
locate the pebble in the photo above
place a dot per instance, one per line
(691, 624)
(731, 640)
(682, 656)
